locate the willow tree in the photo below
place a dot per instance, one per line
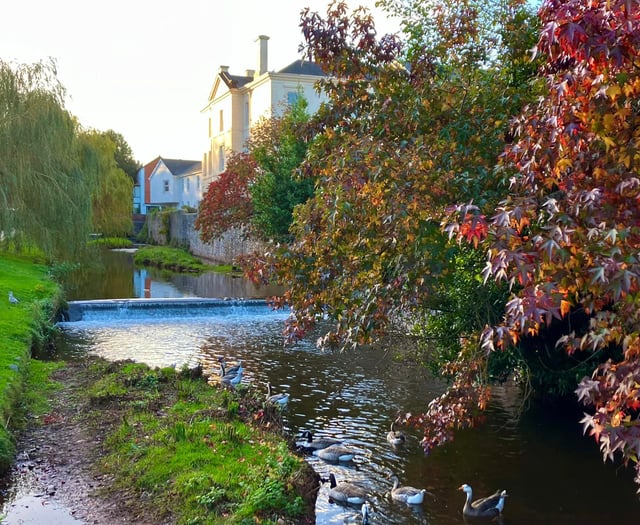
(45, 198)
(111, 201)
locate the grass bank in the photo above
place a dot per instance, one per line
(23, 325)
(179, 450)
(176, 448)
(175, 260)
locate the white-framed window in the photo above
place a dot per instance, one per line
(165, 186)
(188, 181)
(221, 120)
(221, 159)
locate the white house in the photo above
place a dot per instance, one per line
(166, 183)
(237, 102)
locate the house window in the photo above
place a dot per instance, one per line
(198, 183)
(221, 159)
(246, 114)
(292, 97)
(165, 186)
(188, 184)
(221, 120)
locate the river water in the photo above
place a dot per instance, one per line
(554, 475)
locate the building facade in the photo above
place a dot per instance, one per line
(237, 102)
(169, 183)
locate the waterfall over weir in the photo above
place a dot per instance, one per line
(124, 309)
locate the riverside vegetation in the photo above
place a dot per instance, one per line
(175, 449)
(176, 260)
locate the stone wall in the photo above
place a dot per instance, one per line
(183, 234)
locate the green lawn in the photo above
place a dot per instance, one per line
(21, 326)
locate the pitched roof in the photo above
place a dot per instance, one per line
(303, 67)
(298, 67)
(234, 81)
(182, 167)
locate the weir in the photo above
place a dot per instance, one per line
(157, 308)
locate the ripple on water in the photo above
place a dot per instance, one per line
(354, 396)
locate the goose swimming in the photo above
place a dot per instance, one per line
(335, 453)
(406, 494)
(488, 507)
(346, 492)
(396, 437)
(317, 443)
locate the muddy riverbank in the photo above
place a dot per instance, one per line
(54, 479)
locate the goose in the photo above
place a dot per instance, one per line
(396, 437)
(335, 453)
(488, 507)
(276, 399)
(345, 492)
(232, 369)
(317, 443)
(365, 513)
(230, 378)
(406, 494)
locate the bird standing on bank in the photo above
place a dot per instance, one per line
(276, 399)
(232, 378)
(365, 513)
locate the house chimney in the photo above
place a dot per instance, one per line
(263, 54)
(223, 69)
(250, 73)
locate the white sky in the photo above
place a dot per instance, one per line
(144, 68)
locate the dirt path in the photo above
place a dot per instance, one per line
(53, 481)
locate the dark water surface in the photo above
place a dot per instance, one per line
(114, 276)
(554, 475)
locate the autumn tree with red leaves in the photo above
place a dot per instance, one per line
(259, 188)
(567, 237)
(408, 129)
(227, 203)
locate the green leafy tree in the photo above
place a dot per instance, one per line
(45, 197)
(278, 147)
(407, 130)
(260, 188)
(123, 155)
(111, 200)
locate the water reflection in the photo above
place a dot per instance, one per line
(113, 275)
(552, 473)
